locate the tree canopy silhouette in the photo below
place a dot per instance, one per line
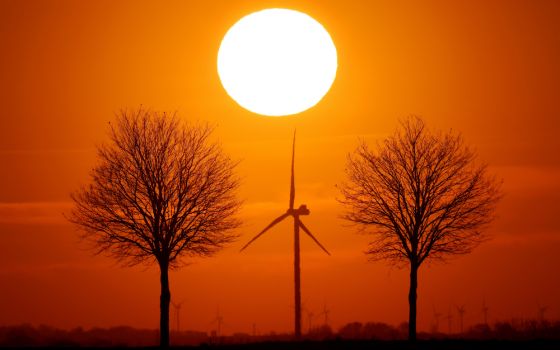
(424, 197)
(160, 192)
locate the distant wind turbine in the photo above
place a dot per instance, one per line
(542, 311)
(449, 319)
(177, 307)
(485, 310)
(295, 213)
(461, 311)
(326, 313)
(437, 315)
(219, 321)
(310, 315)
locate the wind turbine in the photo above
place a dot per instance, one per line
(295, 213)
(461, 311)
(219, 320)
(485, 310)
(310, 315)
(449, 319)
(326, 313)
(177, 307)
(437, 315)
(542, 311)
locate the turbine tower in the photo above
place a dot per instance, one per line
(295, 213)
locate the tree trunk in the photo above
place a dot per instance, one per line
(164, 301)
(412, 296)
(297, 287)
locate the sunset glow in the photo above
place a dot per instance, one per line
(488, 71)
(277, 62)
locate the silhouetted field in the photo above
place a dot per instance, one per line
(395, 344)
(356, 344)
(516, 334)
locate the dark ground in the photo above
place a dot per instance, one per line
(394, 345)
(369, 344)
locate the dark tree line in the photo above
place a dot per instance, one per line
(518, 330)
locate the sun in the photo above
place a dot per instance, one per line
(277, 62)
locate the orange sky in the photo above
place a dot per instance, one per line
(489, 69)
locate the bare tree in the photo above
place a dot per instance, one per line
(424, 196)
(160, 192)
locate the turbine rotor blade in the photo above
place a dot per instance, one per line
(312, 237)
(292, 182)
(274, 222)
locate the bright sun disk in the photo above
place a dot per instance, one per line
(277, 62)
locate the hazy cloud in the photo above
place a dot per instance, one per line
(34, 212)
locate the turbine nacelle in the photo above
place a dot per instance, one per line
(302, 210)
